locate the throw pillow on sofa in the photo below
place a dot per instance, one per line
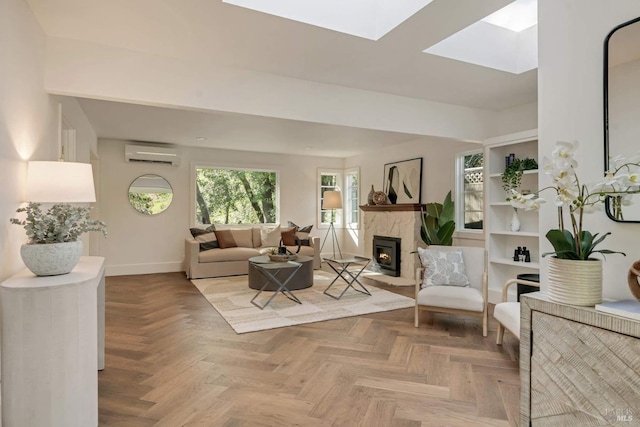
(225, 239)
(206, 237)
(302, 233)
(289, 237)
(270, 236)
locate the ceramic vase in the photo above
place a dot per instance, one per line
(515, 221)
(575, 282)
(51, 259)
(370, 196)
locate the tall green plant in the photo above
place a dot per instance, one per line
(438, 223)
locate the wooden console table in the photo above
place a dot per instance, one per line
(578, 366)
(53, 346)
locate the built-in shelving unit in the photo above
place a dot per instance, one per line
(500, 241)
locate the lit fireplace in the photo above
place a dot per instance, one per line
(386, 255)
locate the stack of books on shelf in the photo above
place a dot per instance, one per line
(629, 308)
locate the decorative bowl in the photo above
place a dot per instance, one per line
(379, 198)
(282, 258)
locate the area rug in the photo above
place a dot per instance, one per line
(231, 296)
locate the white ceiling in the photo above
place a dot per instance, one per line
(215, 32)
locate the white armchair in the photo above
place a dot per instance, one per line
(507, 313)
(470, 300)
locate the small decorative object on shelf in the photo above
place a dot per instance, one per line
(512, 175)
(379, 198)
(574, 276)
(370, 196)
(522, 254)
(515, 221)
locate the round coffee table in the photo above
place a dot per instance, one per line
(302, 279)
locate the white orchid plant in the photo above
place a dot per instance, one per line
(619, 183)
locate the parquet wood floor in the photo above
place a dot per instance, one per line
(171, 360)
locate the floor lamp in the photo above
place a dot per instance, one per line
(332, 200)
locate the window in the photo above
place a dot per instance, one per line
(348, 183)
(352, 193)
(329, 181)
(235, 196)
(470, 183)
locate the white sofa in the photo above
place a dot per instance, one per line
(234, 261)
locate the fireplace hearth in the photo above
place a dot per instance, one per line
(386, 255)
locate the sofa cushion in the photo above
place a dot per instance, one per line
(289, 237)
(206, 237)
(456, 297)
(207, 241)
(243, 237)
(196, 231)
(230, 254)
(225, 239)
(302, 232)
(508, 313)
(270, 236)
(304, 250)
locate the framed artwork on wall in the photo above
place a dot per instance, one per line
(402, 182)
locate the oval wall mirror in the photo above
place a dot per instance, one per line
(150, 194)
(622, 108)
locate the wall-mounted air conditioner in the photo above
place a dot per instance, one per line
(150, 154)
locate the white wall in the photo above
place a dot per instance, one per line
(139, 244)
(571, 35)
(28, 119)
(517, 119)
(438, 174)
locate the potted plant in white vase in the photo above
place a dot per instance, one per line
(511, 179)
(575, 277)
(53, 247)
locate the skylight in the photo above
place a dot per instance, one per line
(363, 18)
(506, 40)
(516, 16)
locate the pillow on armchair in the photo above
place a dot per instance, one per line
(443, 268)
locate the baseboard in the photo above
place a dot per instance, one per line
(147, 268)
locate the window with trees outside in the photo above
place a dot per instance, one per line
(352, 187)
(470, 183)
(329, 181)
(235, 196)
(348, 183)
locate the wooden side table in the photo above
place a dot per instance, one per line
(52, 346)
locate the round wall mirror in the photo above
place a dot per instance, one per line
(150, 194)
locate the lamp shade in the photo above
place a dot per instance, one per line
(60, 182)
(332, 200)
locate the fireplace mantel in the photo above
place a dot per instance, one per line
(395, 208)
